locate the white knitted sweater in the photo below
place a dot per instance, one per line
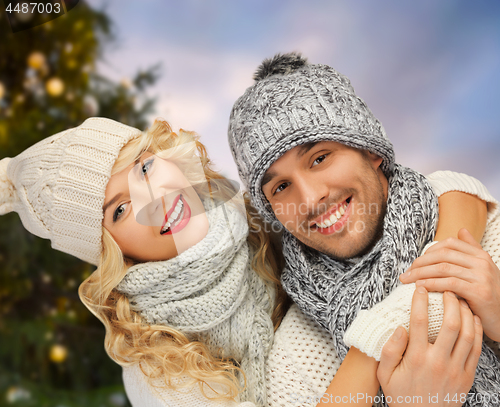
(302, 361)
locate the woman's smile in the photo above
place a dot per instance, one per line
(177, 217)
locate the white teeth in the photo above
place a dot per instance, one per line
(334, 217)
(177, 210)
(173, 216)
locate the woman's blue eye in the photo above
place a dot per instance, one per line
(146, 166)
(119, 212)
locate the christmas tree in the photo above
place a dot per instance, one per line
(51, 346)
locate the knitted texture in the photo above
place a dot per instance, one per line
(210, 293)
(288, 107)
(57, 186)
(302, 360)
(141, 393)
(372, 328)
(446, 181)
(7, 191)
(333, 292)
(300, 367)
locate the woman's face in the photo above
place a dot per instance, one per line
(152, 211)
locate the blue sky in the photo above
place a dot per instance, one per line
(429, 70)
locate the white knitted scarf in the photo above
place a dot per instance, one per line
(211, 293)
(333, 292)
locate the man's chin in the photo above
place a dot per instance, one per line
(347, 250)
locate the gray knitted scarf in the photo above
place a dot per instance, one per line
(211, 293)
(332, 292)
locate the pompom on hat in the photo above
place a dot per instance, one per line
(292, 103)
(58, 185)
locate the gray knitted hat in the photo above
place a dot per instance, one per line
(293, 103)
(57, 186)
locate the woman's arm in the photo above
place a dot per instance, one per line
(459, 210)
(355, 383)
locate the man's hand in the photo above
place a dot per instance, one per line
(462, 266)
(439, 374)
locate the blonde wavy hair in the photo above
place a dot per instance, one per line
(162, 352)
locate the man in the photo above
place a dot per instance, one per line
(316, 160)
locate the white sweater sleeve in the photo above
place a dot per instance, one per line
(372, 328)
(447, 181)
(141, 394)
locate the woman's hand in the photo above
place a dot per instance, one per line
(462, 266)
(439, 374)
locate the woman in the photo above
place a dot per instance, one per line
(184, 313)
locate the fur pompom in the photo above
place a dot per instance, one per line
(7, 190)
(280, 64)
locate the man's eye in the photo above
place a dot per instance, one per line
(281, 187)
(119, 212)
(318, 160)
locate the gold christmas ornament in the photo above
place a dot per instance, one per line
(36, 60)
(72, 63)
(126, 83)
(58, 353)
(2, 90)
(55, 87)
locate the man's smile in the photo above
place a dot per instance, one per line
(333, 220)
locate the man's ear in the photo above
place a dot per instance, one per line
(374, 159)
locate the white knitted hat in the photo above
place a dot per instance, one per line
(57, 186)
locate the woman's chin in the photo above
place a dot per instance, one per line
(194, 232)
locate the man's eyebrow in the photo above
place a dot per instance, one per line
(111, 202)
(304, 148)
(268, 176)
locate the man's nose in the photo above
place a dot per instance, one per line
(313, 191)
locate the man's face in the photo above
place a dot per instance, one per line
(329, 196)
